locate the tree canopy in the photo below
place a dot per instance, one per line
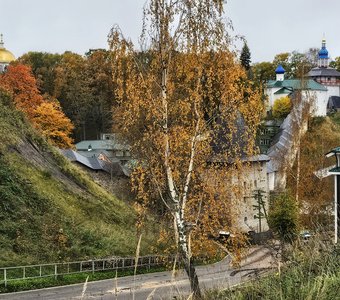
(184, 95)
(282, 107)
(44, 113)
(82, 84)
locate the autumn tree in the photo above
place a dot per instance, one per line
(296, 65)
(282, 107)
(50, 120)
(19, 82)
(43, 67)
(44, 113)
(263, 71)
(315, 190)
(84, 87)
(82, 84)
(174, 106)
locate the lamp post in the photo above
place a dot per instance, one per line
(336, 172)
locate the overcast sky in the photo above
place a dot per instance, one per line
(270, 26)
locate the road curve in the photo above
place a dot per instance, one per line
(159, 285)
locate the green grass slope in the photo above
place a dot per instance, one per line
(49, 209)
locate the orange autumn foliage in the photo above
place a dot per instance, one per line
(50, 120)
(45, 115)
(21, 84)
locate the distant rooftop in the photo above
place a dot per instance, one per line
(297, 84)
(96, 164)
(100, 145)
(323, 72)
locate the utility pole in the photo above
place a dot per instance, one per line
(260, 207)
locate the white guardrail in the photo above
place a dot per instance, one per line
(56, 269)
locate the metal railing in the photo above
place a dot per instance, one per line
(56, 269)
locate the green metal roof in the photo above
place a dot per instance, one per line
(101, 145)
(297, 84)
(284, 90)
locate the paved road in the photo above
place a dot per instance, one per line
(157, 285)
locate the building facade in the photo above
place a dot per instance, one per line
(321, 83)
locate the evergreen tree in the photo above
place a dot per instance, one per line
(245, 57)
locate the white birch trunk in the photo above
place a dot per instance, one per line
(179, 206)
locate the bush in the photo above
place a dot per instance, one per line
(283, 217)
(282, 107)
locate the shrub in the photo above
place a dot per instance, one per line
(282, 107)
(283, 217)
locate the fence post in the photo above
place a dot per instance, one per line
(68, 268)
(92, 266)
(149, 266)
(40, 271)
(55, 271)
(103, 264)
(5, 277)
(23, 272)
(80, 268)
(123, 264)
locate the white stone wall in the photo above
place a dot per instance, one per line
(319, 101)
(333, 90)
(271, 180)
(271, 97)
(254, 178)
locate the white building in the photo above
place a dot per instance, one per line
(320, 84)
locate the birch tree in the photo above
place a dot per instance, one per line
(177, 96)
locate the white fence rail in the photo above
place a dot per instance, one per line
(56, 269)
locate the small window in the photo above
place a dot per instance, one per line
(264, 142)
(119, 153)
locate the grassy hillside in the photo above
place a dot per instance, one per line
(49, 209)
(310, 271)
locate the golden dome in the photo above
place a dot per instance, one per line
(5, 55)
